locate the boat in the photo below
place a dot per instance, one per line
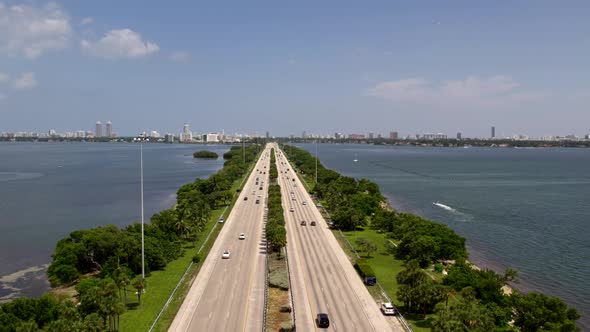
(355, 158)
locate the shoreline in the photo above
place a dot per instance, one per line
(507, 288)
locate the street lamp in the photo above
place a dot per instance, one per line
(142, 220)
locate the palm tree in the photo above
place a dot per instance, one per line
(139, 285)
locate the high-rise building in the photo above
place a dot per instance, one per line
(186, 135)
(169, 138)
(267, 135)
(109, 129)
(459, 135)
(493, 132)
(393, 135)
(371, 135)
(98, 131)
(52, 132)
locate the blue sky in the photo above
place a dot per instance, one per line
(319, 66)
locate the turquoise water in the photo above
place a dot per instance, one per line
(525, 208)
(48, 190)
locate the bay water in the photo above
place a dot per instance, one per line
(524, 208)
(48, 190)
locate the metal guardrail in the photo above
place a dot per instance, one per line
(290, 291)
(266, 278)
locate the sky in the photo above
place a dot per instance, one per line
(285, 67)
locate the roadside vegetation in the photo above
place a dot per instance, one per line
(278, 306)
(103, 264)
(422, 265)
(206, 154)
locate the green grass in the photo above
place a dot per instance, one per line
(160, 284)
(386, 268)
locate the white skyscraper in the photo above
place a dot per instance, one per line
(109, 129)
(98, 131)
(186, 135)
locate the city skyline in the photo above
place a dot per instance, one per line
(428, 68)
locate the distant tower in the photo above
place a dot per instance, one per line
(371, 135)
(186, 135)
(98, 131)
(459, 135)
(493, 132)
(267, 135)
(109, 129)
(393, 135)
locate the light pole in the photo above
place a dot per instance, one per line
(316, 162)
(142, 221)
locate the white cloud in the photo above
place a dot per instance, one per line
(470, 92)
(181, 56)
(124, 43)
(87, 21)
(32, 31)
(4, 77)
(26, 81)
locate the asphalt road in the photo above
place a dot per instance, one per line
(228, 294)
(323, 279)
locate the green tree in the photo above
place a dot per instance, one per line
(536, 312)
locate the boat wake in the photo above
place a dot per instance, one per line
(459, 216)
(446, 207)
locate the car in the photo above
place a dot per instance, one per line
(319, 204)
(257, 201)
(313, 223)
(221, 220)
(303, 223)
(293, 179)
(292, 210)
(245, 198)
(322, 320)
(242, 236)
(263, 172)
(388, 309)
(304, 203)
(293, 198)
(225, 254)
(260, 188)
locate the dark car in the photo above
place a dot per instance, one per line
(260, 188)
(246, 198)
(303, 223)
(313, 223)
(323, 321)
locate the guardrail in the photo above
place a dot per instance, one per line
(290, 290)
(266, 280)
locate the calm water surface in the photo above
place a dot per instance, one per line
(48, 190)
(525, 208)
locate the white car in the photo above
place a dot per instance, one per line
(242, 236)
(304, 203)
(225, 254)
(221, 220)
(388, 309)
(292, 209)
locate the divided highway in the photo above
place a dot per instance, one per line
(323, 279)
(228, 294)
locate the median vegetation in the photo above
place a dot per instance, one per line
(205, 154)
(104, 263)
(278, 307)
(422, 264)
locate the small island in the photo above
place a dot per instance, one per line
(205, 154)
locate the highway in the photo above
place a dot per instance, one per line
(228, 294)
(323, 279)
